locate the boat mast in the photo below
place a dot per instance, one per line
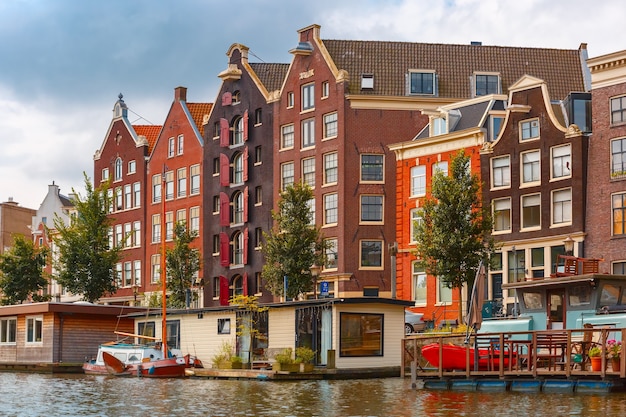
(163, 267)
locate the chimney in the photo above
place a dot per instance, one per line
(180, 94)
(476, 43)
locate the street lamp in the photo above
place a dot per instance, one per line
(315, 272)
(569, 245)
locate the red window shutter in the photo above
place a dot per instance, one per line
(224, 210)
(245, 283)
(227, 98)
(224, 170)
(245, 205)
(224, 250)
(244, 156)
(224, 292)
(224, 133)
(245, 246)
(245, 126)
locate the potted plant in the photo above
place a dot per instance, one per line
(284, 361)
(304, 357)
(595, 354)
(225, 358)
(614, 350)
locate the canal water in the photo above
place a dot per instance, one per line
(80, 395)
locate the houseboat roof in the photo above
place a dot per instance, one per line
(68, 308)
(562, 281)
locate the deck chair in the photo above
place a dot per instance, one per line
(580, 348)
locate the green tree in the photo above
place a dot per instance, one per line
(183, 262)
(21, 272)
(86, 263)
(455, 232)
(293, 245)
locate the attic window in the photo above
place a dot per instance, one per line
(422, 82)
(367, 82)
(485, 84)
(236, 97)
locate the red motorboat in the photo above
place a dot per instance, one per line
(455, 357)
(159, 368)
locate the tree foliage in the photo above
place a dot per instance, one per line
(293, 245)
(86, 263)
(183, 262)
(248, 320)
(21, 272)
(455, 232)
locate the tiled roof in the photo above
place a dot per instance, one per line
(389, 62)
(151, 132)
(198, 111)
(271, 75)
(471, 116)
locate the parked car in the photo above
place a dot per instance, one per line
(413, 322)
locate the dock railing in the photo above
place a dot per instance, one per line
(531, 353)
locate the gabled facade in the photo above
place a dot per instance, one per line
(122, 160)
(465, 126)
(534, 176)
(237, 186)
(174, 184)
(606, 186)
(14, 219)
(54, 205)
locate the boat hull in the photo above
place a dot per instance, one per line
(160, 368)
(455, 357)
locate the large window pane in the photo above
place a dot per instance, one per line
(361, 334)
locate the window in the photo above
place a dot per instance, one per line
(444, 293)
(181, 216)
(105, 174)
(169, 225)
(216, 166)
(440, 167)
(258, 237)
(238, 249)
(537, 262)
(618, 110)
(501, 172)
(156, 228)
(361, 334)
(169, 185)
(325, 89)
(486, 84)
(258, 195)
(223, 325)
(618, 207)
(195, 179)
(137, 194)
(216, 204)
(171, 147)
(8, 330)
(529, 129)
(216, 287)
(562, 206)
(180, 145)
(438, 126)
(237, 131)
(216, 130)
(618, 158)
(330, 209)
(330, 168)
(330, 125)
(561, 160)
(128, 274)
(502, 215)
(146, 328)
(216, 245)
(118, 169)
(132, 167)
(416, 220)
(237, 173)
(286, 137)
(419, 285)
(619, 268)
(128, 196)
(308, 133)
(371, 208)
(119, 239)
(286, 175)
(308, 97)
(418, 181)
(258, 155)
(155, 268)
(308, 171)
(137, 234)
(367, 81)
(236, 97)
(237, 207)
(372, 168)
(118, 275)
(128, 235)
(495, 126)
(531, 211)
(330, 254)
(422, 83)
(290, 99)
(258, 117)
(119, 198)
(173, 333)
(181, 175)
(194, 219)
(34, 329)
(371, 254)
(531, 168)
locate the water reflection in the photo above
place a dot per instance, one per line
(79, 395)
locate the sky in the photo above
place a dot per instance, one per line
(64, 62)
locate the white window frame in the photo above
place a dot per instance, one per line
(375, 201)
(379, 162)
(415, 218)
(105, 174)
(420, 284)
(308, 97)
(331, 209)
(181, 179)
(8, 330)
(362, 260)
(287, 136)
(180, 145)
(561, 209)
(194, 183)
(287, 175)
(132, 167)
(308, 133)
(523, 200)
(171, 147)
(290, 99)
(618, 108)
(331, 168)
(561, 157)
(441, 291)
(422, 73)
(440, 166)
(330, 125)
(501, 173)
(34, 330)
(308, 171)
(534, 165)
(331, 257)
(500, 205)
(418, 181)
(529, 130)
(325, 89)
(488, 75)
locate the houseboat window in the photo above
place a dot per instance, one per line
(8, 330)
(609, 295)
(145, 329)
(579, 295)
(34, 329)
(223, 326)
(533, 300)
(361, 334)
(173, 334)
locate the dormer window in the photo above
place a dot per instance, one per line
(422, 82)
(367, 82)
(485, 84)
(438, 126)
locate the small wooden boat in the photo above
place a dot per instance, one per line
(455, 357)
(158, 368)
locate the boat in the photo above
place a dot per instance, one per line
(455, 357)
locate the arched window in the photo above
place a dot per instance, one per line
(238, 248)
(118, 169)
(237, 131)
(237, 208)
(237, 285)
(237, 171)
